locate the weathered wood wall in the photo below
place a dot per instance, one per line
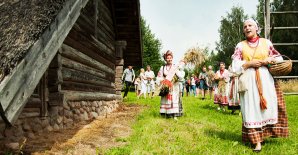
(88, 53)
(85, 62)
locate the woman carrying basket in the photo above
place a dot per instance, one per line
(171, 102)
(262, 104)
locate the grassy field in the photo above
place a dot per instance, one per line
(202, 130)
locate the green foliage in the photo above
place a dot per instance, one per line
(231, 32)
(202, 130)
(151, 48)
(260, 16)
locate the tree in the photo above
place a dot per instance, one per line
(231, 32)
(283, 20)
(151, 48)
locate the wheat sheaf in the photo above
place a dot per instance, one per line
(194, 56)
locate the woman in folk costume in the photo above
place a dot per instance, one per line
(137, 86)
(143, 83)
(171, 103)
(262, 104)
(233, 98)
(221, 94)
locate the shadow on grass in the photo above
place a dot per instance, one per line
(224, 135)
(209, 107)
(214, 108)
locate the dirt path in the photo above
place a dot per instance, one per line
(89, 138)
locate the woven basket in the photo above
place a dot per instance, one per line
(281, 68)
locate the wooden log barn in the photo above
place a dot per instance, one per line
(62, 61)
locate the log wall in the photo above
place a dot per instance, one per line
(85, 62)
(88, 54)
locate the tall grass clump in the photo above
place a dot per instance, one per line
(288, 86)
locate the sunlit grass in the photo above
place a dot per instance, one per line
(202, 130)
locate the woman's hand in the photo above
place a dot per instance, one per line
(269, 60)
(253, 64)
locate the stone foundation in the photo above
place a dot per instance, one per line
(59, 117)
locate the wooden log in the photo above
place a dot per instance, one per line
(82, 77)
(68, 63)
(56, 99)
(86, 30)
(54, 73)
(90, 96)
(77, 86)
(54, 88)
(88, 9)
(30, 112)
(53, 77)
(43, 93)
(17, 87)
(105, 19)
(85, 25)
(106, 15)
(106, 27)
(35, 95)
(33, 103)
(91, 51)
(95, 18)
(76, 55)
(114, 19)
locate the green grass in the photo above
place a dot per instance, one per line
(202, 130)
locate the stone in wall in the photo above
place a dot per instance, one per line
(60, 117)
(56, 127)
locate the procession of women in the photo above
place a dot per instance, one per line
(245, 85)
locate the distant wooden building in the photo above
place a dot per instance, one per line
(61, 61)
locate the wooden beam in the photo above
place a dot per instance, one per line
(285, 44)
(79, 76)
(106, 12)
(95, 17)
(17, 87)
(68, 63)
(86, 47)
(43, 93)
(284, 12)
(84, 87)
(83, 30)
(89, 96)
(292, 93)
(285, 28)
(267, 19)
(286, 77)
(56, 99)
(76, 55)
(54, 73)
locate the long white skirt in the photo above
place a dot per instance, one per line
(144, 87)
(253, 116)
(171, 104)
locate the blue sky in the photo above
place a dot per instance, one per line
(182, 24)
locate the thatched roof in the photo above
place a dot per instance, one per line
(22, 22)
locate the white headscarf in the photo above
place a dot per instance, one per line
(255, 24)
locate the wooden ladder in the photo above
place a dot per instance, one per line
(268, 27)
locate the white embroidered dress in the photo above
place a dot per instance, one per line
(253, 116)
(170, 104)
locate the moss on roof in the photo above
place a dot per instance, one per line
(22, 23)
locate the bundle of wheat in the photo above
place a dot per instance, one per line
(194, 56)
